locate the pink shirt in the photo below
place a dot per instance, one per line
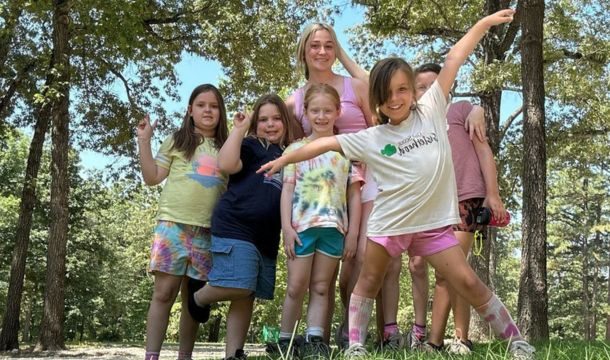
(468, 174)
(351, 119)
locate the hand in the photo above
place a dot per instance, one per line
(500, 17)
(475, 124)
(242, 121)
(497, 207)
(290, 237)
(271, 167)
(350, 247)
(144, 131)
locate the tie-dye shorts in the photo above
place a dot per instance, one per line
(180, 249)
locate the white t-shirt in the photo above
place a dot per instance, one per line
(412, 166)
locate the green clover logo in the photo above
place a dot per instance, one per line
(388, 150)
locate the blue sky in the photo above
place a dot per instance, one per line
(193, 70)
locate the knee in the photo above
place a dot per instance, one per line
(164, 296)
(440, 280)
(319, 288)
(296, 291)
(470, 285)
(370, 282)
(394, 268)
(418, 267)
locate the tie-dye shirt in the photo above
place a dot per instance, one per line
(193, 187)
(320, 192)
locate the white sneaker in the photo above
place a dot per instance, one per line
(395, 342)
(521, 350)
(356, 350)
(460, 347)
(413, 342)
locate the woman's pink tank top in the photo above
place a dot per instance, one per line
(351, 119)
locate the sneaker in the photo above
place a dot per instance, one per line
(413, 342)
(521, 350)
(429, 347)
(341, 339)
(394, 342)
(239, 355)
(356, 350)
(201, 314)
(460, 347)
(315, 348)
(288, 350)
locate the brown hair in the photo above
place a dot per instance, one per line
(186, 140)
(302, 48)
(273, 99)
(380, 78)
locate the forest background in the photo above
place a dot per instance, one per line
(75, 76)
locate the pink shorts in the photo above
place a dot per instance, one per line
(423, 243)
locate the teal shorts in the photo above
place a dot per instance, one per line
(326, 240)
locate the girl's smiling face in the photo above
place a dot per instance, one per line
(322, 112)
(270, 125)
(400, 98)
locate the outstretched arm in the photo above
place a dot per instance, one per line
(466, 45)
(309, 151)
(229, 156)
(151, 172)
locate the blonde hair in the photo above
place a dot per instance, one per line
(322, 89)
(301, 45)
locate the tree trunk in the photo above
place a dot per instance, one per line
(608, 302)
(10, 322)
(214, 334)
(51, 334)
(27, 323)
(533, 297)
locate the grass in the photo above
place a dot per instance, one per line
(553, 350)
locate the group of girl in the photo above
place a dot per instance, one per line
(365, 195)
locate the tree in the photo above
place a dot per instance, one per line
(533, 299)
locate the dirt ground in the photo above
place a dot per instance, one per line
(203, 351)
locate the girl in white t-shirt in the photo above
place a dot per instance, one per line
(410, 156)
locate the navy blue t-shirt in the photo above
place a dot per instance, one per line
(250, 208)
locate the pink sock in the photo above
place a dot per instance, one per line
(389, 330)
(360, 309)
(419, 331)
(151, 355)
(497, 316)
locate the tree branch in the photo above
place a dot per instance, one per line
(12, 87)
(123, 79)
(509, 121)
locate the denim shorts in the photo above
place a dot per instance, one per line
(180, 249)
(238, 264)
(326, 240)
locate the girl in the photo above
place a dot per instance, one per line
(315, 217)
(477, 185)
(246, 222)
(417, 204)
(187, 159)
(317, 50)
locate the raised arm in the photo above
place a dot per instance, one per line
(151, 172)
(466, 45)
(229, 156)
(309, 151)
(351, 66)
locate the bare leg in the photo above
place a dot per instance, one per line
(322, 272)
(299, 270)
(461, 308)
(210, 294)
(419, 280)
(188, 326)
(238, 323)
(164, 294)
